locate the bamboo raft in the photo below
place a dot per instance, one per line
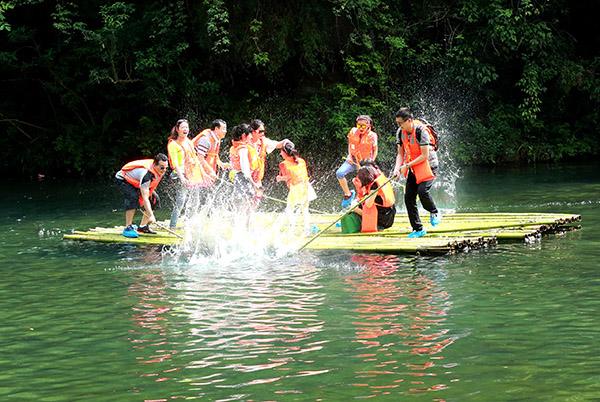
(457, 232)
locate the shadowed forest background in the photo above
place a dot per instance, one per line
(88, 86)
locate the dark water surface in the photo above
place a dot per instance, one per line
(84, 321)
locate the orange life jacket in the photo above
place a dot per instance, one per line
(412, 150)
(261, 150)
(143, 164)
(295, 172)
(191, 164)
(212, 155)
(369, 207)
(234, 156)
(362, 148)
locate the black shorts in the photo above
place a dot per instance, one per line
(385, 217)
(131, 196)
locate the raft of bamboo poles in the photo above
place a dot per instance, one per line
(457, 232)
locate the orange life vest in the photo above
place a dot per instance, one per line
(412, 150)
(142, 164)
(369, 207)
(295, 172)
(362, 148)
(234, 156)
(191, 164)
(261, 150)
(212, 155)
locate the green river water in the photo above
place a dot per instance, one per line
(93, 322)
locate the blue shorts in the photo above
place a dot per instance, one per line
(345, 169)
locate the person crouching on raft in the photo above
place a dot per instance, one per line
(187, 169)
(362, 145)
(417, 161)
(244, 164)
(137, 181)
(377, 212)
(295, 174)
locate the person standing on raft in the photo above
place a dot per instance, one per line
(295, 174)
(137, 181)
(187, 169)
(208, 145)
(417, 161)
(263, 147)
(244, 164)
(362, 145)
(377, 212)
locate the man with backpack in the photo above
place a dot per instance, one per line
(417, 161)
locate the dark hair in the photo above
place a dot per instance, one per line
(239, 130)
(367, 118)
(290, 150)
(369, 162)
(174, 133)
(366, 175)
(217, 123)
(404, 113)
(160, 157)
(256, 123)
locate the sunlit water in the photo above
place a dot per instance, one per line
(83, 321)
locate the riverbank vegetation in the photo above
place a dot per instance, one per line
(90, 85)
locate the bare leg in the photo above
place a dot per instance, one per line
(344, 186)
(129, 214)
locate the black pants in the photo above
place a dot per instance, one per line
(410, 199)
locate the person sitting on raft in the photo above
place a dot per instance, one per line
(377, 212)
(137, 181)
(295, 174)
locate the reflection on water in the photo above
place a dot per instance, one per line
(228, 329)
(400, 326)
(223, 331)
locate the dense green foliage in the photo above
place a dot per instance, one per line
(89, 85)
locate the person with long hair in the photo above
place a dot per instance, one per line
(187, 170)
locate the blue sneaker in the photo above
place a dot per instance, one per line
(130, 232)
(416, 233)
(435, 219)
(347, 201)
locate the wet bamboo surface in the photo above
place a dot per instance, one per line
(457, 232)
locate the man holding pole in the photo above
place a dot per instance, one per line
(138, 181)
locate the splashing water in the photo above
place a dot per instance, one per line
(217, 231)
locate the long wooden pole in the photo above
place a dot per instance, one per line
(275, 199)
(366, 197)
(162, 226)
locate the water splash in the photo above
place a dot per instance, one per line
(217, 231)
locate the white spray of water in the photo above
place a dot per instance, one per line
(216, 231)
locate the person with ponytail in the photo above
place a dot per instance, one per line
(295, 174)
